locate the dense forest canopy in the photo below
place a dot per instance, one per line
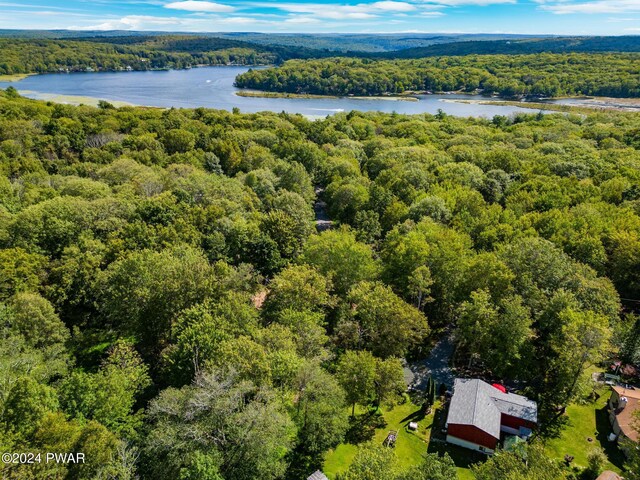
(168, 309)
(133, 52)
(549, 75)
(519, 46)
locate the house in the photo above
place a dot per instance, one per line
(479, 412)
(317, 475)
(623, 403)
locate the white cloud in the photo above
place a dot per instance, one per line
(594, 7)
(393, 6)
(195, 6)
(132, 22)
(302, 20)
(244, 21)
(459, 3)
(361, 11)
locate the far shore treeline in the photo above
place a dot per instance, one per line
(542, 75)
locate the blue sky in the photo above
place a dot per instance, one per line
(590, 17)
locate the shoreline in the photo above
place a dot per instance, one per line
(574, 103)
(74, 99)
(586, 104)
(265, 94)
(16, 77)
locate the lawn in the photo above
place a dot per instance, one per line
(462, 457)
(586, 421)
(410, 446)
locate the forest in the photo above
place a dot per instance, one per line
(514, 46)
(132, 52)
(540, 75)
(169, 309)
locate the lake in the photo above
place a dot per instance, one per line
(212, 87)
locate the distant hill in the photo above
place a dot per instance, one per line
(197, 44)
(365, 43)
(335, 42)
(71, 34)
(523, 46)
(51, 50)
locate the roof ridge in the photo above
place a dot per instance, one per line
(484, 393)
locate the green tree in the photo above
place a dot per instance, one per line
(20, 271)
(142, 293)
(356, 372)
(109, 395)
(103, 452)
(26, 405)
(298, 287)
(596, 460)
(309, 331)
(35, 319)
(178, 141)
(372, 462)
(432, 467)
(380, 321)
(199, 331)
(319, 410)
(245, 430)
(527, 463)
(420, 283)
(494, 334)
(389, 382)
(338, 255)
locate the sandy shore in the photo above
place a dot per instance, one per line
(624, 104)
(573, 104)
(71, 99)
(15, 78)
(262, 94)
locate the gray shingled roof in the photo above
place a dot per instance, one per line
(477, 403)
(318, 475)
(470, 405)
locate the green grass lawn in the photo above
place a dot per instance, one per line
(410, 446)
(586, 421)
(462, 457)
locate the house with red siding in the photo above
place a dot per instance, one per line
(479, 413)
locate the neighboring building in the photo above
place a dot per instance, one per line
(479, 412)
(609, 475)
(317, 475)
(623, 404)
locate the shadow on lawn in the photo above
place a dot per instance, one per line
(462, 457)
(362, 427)
(603, 428)
(416, 416)
(439, 421)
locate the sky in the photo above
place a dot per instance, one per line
(571, 17)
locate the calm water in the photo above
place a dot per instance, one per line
(212, 87)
